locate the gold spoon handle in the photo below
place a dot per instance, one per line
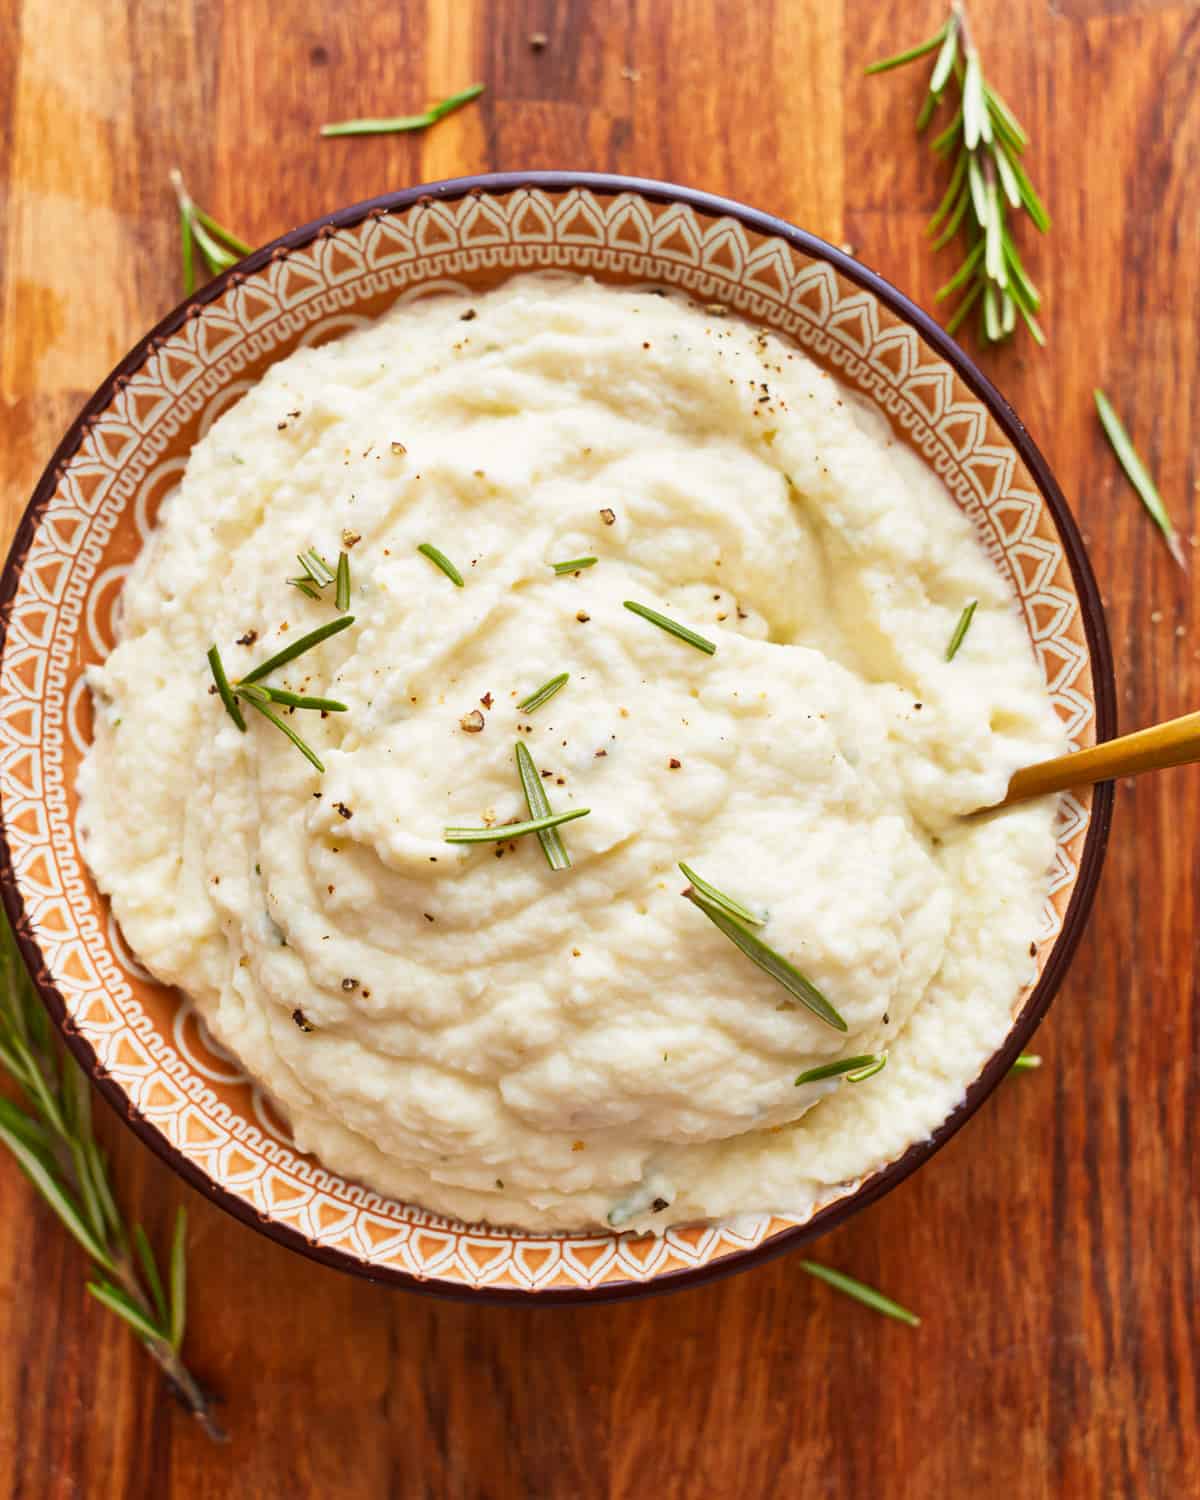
(1175, 743)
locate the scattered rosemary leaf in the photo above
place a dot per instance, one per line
(574, 564)
(539, 807)
(285, 728)
(508, 831)
(1137, 474)
(439, 559)
(1026, 1063)
(855, 1069)
(770, 962)
(672, 627)
(219, 246)
(301, 700)
(342, 596)
(405, 122)
(960, 630)
(316, 567)
(297, 648)
(544, 693)
(865, 1294)
(305, 587)
(718, 898)
(218, 670)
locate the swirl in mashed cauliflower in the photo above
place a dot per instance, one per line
(462, 1026)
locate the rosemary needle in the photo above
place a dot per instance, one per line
(856, 1069)
(316, 567)
(1026, 1062)
(539, 807)
(295, 700)
(719, 898)
(218, 670)
(960, 630)
(508, 831)
(439, 559)
(544, 693)
(342, 592)
(267, 713)
(305, 587)
(405, 122)
(770, 962)
(672, 627)
(298, 648)
(574, 564)
(1137, 474)
(861, 1293)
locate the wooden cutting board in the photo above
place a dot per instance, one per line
(1053, 1248)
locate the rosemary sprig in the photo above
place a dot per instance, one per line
(987, 182)
(672, 627)
(217, 667)
(861, 1293)
(770, 962)
(574, 564)
(507, 831)
(439, 559)
(1026, 1063)
(219, 246)
(52, 1139)
(1137, 474)
(297, 648)
(960, 630)
(423, 121)
(544, 693)
(719, 898)
(539, 807)
(856, 1069)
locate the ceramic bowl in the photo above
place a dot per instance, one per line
(145, 1045)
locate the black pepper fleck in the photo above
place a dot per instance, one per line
(248, 639)
(302, 1021)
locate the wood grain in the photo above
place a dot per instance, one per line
(1054, 1247)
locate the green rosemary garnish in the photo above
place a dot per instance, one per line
(719, 898)
(508, 831)
(574, 564)
(431, 116)
(258, 698)
(1026, 1062)
(298, 648)
(1137, 474)
(770, 962)
(544, 693)
(305, 587)
(219, 247)
(292, 700)
(671, 627)
(960, 630)
(539, 807)
(50, 1134)
(856, 1069)
(315, 566)
(442, 561)
(986, 181)
(218, 671)
(342, 588)
(861, 1293)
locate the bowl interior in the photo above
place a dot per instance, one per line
(98, 502)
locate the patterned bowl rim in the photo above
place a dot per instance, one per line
(1095, 629)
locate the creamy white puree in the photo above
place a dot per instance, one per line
(493, 1039)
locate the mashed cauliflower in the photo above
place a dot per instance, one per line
(461, 1025)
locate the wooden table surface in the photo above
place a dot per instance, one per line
(1053, 1248)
